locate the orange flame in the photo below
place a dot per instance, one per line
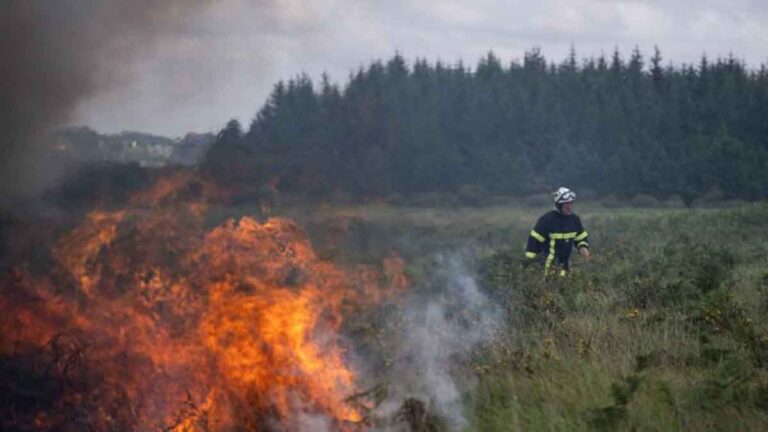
(152, 322)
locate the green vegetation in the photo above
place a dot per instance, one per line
(621, 126)
(662, 330)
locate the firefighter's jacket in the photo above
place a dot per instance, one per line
(552, 239)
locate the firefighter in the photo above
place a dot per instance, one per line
(555, 233)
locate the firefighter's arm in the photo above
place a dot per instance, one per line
(536, 240)
(582, 241)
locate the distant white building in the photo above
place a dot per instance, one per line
(133, 147)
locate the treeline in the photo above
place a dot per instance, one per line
(614, 125)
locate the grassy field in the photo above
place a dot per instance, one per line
(662, 330)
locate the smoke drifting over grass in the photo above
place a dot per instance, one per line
(440, 332)
(56, 54)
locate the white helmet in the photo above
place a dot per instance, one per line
(564, 195)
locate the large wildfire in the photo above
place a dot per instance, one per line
(147, 318)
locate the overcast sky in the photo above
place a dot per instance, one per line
(221, 62)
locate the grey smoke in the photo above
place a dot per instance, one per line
(56, 54)
(441, 331)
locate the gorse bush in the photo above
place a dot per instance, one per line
(680, 274)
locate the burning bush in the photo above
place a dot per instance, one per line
(147, 320)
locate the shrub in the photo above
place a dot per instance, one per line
(674, 202)
(538, 200)
(503, 200)
(684, 270)
(709, 199)
(732, 203)
(473, 195)
(396, 199)
(610, 201)
(644, 201)
(433, 199)
(339, 196)
(586, 194)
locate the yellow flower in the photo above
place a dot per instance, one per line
(583, 347)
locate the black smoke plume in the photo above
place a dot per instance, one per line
(57, 53)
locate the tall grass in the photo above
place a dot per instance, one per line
(663, 329)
